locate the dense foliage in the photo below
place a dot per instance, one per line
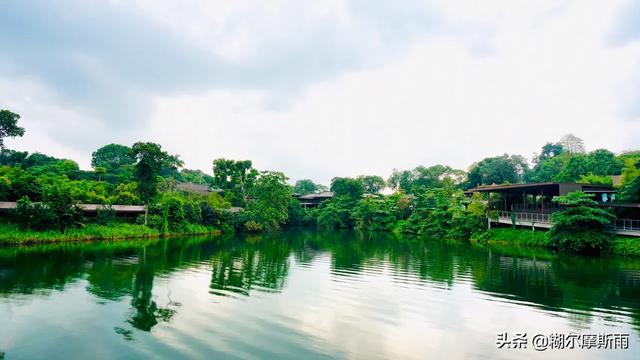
(425, 201)
(581, 225)
(9, 126)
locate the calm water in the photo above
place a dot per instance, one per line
(305, 295)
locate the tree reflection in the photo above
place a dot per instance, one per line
(242, 265)
(256, 262)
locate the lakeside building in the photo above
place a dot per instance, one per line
(531, 204)
(313, 200)
(197, 188)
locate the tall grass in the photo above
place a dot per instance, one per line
(626, 246)
(12, 234)
(521, 237)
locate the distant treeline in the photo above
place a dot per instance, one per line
(424, 200)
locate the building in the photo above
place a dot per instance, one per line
(92, 209)
(313, 200)
(531, 204)
(194, 188)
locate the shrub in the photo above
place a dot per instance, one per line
(328, 218)
(175, 215)
(253, 226)
(208, 214)
(59, 201)
(35, 216)
(105, 215)
(192, 212)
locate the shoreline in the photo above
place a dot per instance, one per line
(10, 236)
(620, 246)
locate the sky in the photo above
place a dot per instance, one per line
(319, 89)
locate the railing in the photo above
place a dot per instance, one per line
(547, 207)
(535, 218)
(529, 217)
(625, 225)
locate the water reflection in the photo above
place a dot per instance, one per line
(247, 265)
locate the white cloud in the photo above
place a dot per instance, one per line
(473, 81)
(437, 104)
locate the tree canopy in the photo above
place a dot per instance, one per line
(9, 126)
(581, 225)
(150, 160)
(372, 184)
(306, 186)
(499, 170)
(113, 157)
(348, 188)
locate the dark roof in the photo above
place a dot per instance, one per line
(536, 187)
(196, 188)
(322, 195)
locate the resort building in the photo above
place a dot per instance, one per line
(313, 200)
(531, 204)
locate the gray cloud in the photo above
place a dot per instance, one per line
(106, 60)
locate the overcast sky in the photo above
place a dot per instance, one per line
(318, 89)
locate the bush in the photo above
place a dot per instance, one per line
(192, 212)
(253, 226)
(173, 216)
(328, 218)
(105, 215)
(627, 246)
(59, 201)
(208, 214)
(35, 216)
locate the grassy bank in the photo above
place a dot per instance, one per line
(520, 237)
(627, 246)
(11, 234)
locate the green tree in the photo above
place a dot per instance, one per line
(195, 176)
(593, 179)
(305, 186)
(113, 157)
(9, 126)
(435, 176)
(270, 199)
(150, 160)
(12, 157)
(498, 170)
(235, 177)
(401, 180)
(549, 150)
(575, 166)
(125, 194)
(603, 162)
(372, 184)
(348, 188)
(100, 171)
(59, 200)
(630, 189)
(581, 225)
(547, 170)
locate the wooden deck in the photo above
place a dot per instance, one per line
(627, 227)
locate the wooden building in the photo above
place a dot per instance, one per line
(531, 204)
(313, 200)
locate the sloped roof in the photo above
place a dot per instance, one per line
(322, 195)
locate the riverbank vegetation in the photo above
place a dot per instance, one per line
(424, 201)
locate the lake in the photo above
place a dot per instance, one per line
(303, 294)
